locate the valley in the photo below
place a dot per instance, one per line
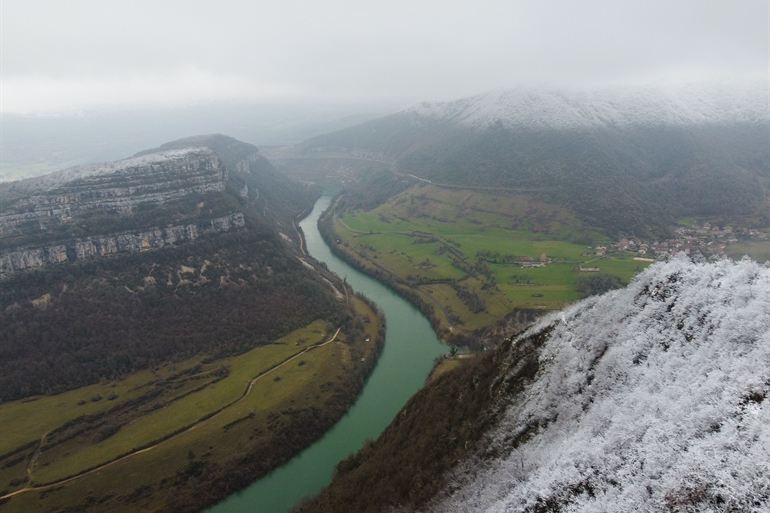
(476, 257)
(173, 322)
(161, 327)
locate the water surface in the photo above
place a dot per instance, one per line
(410, 348)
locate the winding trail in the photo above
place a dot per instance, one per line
(186, 429)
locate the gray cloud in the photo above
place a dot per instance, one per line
(79, 53)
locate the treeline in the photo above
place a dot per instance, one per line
(470, 298)
(594, 284)
(105, 318)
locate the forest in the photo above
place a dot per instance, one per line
(106, 318)
(632, 180)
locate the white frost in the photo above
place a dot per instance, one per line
(56, 179)
(651, 398)
(546, 109)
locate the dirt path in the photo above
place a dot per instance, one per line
(35, 455)
(301, 238)
(151, 447)
(440, 307)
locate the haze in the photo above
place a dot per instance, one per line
(90, 54)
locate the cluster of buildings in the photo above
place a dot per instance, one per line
(705, 239)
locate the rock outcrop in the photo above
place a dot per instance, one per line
(121, 186)
(93, 247)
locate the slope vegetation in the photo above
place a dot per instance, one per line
(650, 398)
(163, 340)
(627, 160)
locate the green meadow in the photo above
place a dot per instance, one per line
(759, 250)
(428, 235)
(178, 418)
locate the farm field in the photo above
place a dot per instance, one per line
(759, 250)
(478, 254)
(160, 431)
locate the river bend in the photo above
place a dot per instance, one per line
(407, 357)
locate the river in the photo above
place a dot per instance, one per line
(410, 348)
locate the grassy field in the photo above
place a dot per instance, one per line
(759, 250)
(448, 364)
(428, 236)
(191, 416)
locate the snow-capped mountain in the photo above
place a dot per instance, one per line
(650, 398)
(628, 160)
(558, 109)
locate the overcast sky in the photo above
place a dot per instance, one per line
(95, 53)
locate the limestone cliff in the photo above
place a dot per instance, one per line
(123, 185)
(93, 247)
(38, 214)
(110, 268)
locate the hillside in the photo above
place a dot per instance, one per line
(111, 268)
(631, 160)
(647, 398)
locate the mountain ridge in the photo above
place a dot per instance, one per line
(626, 177)
(552, 108)
(114, 267)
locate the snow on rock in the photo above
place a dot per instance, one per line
(650, 398)
(546, 109)
(59, 178)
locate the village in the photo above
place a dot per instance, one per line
(705, 239)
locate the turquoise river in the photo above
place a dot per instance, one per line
(410, 348)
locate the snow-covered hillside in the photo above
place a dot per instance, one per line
(650, 398)
(544, 109)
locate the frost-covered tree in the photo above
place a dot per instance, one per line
(649, 398)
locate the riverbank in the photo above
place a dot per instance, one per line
(407, 357)
(434, 312)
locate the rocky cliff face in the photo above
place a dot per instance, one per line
(93, 247)
(115, 267)
(166, 176)
(37, 214)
